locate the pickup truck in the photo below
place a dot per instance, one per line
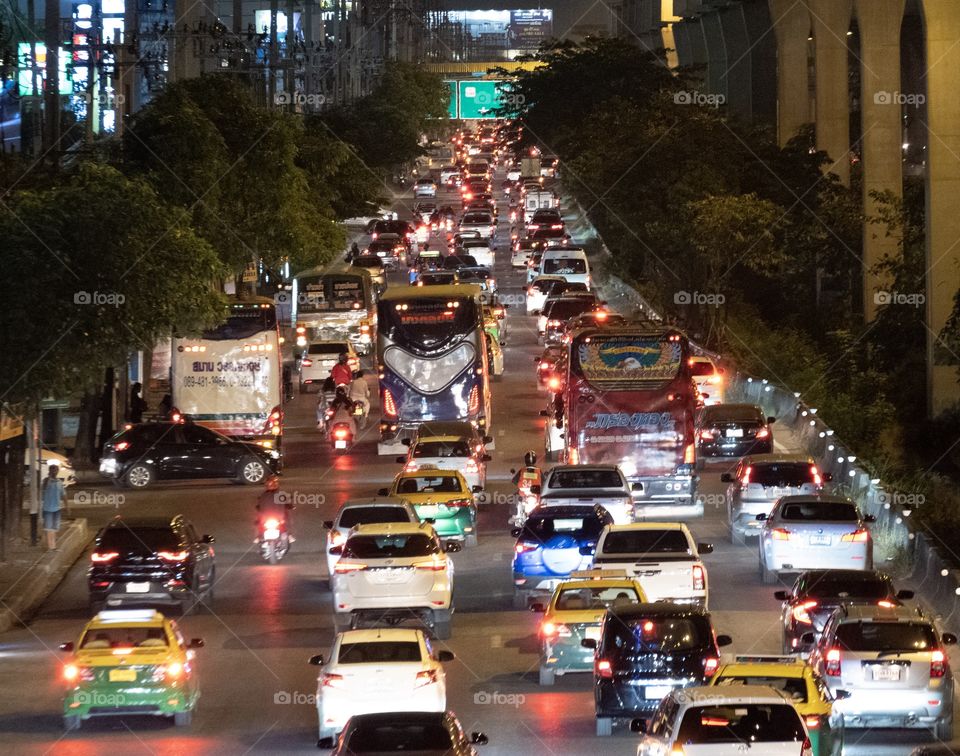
(662, 556)
(604, 485)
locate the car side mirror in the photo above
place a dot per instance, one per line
(66, 646)
(207, 539)
(537, 608)
(590, 643)
(949, 639)
(328, 524)
(636, 486)
(588, 550)
(479, 738)
(316, 660)
(827, 477)
(486, 458)
(808, 639)
(452, 547)
(638, 726)
(782, 595)
(726, 478)
(762, 517)
(841, 695)
(771, 420)
(196, 643)
(724, 640)
(705, 548)
(335, 550)
(544, 413)
(383, 492)
(905, 595)
(445, 656)
(477, 489)
(869, 518)
(513, 471)
(401, 460)
(515, 532)
(536, 489)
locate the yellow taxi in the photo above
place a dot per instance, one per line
(574, 614)
(130, 661)
(802, 684)
(441, 496)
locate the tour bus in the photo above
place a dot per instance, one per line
(431, 359)
(230, 379)
(335, 302)
(628, 399)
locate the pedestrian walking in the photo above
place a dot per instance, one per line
(137, 403)
(53, 496)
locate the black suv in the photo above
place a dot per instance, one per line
(151, 561)
(144, 453)
(817, 593)
(645, 651)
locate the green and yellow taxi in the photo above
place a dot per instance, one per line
(802, 684)
(574, 614)
(130, 661)
(441, 496)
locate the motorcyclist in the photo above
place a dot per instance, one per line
(342, 374)
(273, 502)
(525, 479)
(354, 252)
(359, 393)
(341, 409)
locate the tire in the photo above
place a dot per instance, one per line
(271, 554)
(139, 476)
(767, 576)
(604, 726)
(71, 722)
(547, 676)
(943, 730)
(519, 600)
(252, 471)
(183, 718)
(471, 540)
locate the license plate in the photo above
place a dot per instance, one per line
(123, 675)
(820, 540)
(271, 535)
(388, 576)
(428, 511)
(735, 433)
(657, 692)
(592, 632)
(138, 587)
(340, 444)
(889, 672)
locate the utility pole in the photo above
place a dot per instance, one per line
(51, 98)
(274, 53)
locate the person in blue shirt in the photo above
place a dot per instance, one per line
(52, 493)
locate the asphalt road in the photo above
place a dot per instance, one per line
(257, 689)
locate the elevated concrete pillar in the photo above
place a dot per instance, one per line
(715, 80)
(737, 76)
(791, 24)
(684, 49)
(763, 63)
(831, 22)
(879, 22)
(942, 29)
(698, 46)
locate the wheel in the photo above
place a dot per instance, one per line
(271, 552)
(71, 722)
(547, 675)
(604, 726)
(471, 540)
(767, 576)
(519, 600)
(183, 718)
(252, 471)
(943, 730)
(139, 476)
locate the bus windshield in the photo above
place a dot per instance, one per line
(332, 292)
(609, 360)
(243, 321)
(427, 323)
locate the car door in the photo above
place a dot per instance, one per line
(203, 561)
(158, 445)
(208, 455)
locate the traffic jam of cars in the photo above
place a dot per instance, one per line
(602, 536)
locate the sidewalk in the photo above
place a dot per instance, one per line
(31, 573)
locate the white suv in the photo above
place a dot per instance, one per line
(377, 509)
(370, 671)
(394, 572)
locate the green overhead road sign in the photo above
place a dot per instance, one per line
(481, 98)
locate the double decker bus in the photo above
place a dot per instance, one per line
(230, 379)
(336, 302)
(431, 360)
(629, 400)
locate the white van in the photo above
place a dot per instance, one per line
(567, 262)
(542, 199)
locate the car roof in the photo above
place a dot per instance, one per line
(781, 666)
(724, 407)
(769, 459)
(835, 575)
(811, 498)
(878, 613)
(564, 468)
(720, 695)
(401, 717)
(445, 437)
(381, 634)
(392, 528)
(121, 617)
(701, 358)
(446, 427)
(623, 582)
(564, 509)
(427, 471)
(144, 521)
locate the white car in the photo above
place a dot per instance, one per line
(480, 221)
(521, 254)
(552, 433)
(725, 721)
(568, 262)
(538, 290)
(448, 453)
(479, 250)
(708, 377)
(374, 671)
(449, 175)
(393, 571)
(377, 509)
(318, 360)
(814, 532)
(604, 485)
(65, 474)
(425, 187)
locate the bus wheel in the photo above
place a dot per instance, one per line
(252, 472)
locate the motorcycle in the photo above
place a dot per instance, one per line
(343, 428)
(272, 535)
(528, 499)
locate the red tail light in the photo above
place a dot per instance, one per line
(832, 664)
(343, 567)
(815, 474)
(173, 556)
(473, 406)
(272, 524)
(746, 476)
(472, 466)
(801, 612)
(389, 406)
(699, 578)
(690, 454)
(306, 362)
(102, 557)
(121, 446)
(763, 433)
(431, 565)
(938, 663)
(780, 534)
(341, 432)
(332, 681)
(706, 435)
(175, 415)
(857, 536)
(524, 546)
(603, 669)
(710, 665)
(557, 226)
(426, 677)
(812, 722)
(554, 383)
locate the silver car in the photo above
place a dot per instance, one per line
(376, 509)
(891, 664)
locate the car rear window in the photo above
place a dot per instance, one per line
(886, 636)
(818, 511)
(578, 525)
(564, 266)
(826, 586)
(585, 479)
(379, 652)
(741, 723)
(124, 637)
(443, 449)
(353, 516)
(327, 349)
(795, 687)
(646, 542)
(389, 546)
(397, 737)
(139, 540)
(793, 474)
(368, 261)
(657, 634)
(727, 414)
(574, 599)
(564, 310)
(699, 367)
(477, 218)
(432, 484)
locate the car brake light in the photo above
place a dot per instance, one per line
(102, 557)
(699, 578)
(173, 670)
(603, 669)
(306, 362)
(557, 226)
(801, 612)
(121, 446)
(780, 534)
(524, 546)
(271, 524)
(812, 722)
(763, 433)
(886, 604)
(815, 474)
(548, 628)
(861, 535)
(431, 565)
(472, 466)
(389, 405)
(71, 672)
(341, 432)
(411, 467)
(746, 476)
(706, 435)
(554, 383)
(342, 567)
(337, 538)
(173, 556)
(554, 323)
(426, 677)
(474, 404)
(832, 665)
(332, 681)
(690, 454)
(710, 665)
(938, 663)
(715, 379)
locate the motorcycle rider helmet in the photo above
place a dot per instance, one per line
(530, 459)
(342, 359)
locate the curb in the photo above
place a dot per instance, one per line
(44, 576)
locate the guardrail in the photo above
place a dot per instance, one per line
(898, 545)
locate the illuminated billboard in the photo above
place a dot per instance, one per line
(23, 66)
(520, 30)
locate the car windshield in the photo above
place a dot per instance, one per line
(399, 737)
(477, 218)
(741, 723)
(646, 542)
(564, 265)
(124, 637)
(352, 516)
(782, 474)
(445, 449)
(138, 539)
(430, 484)
(795, 687)
(564, 309)
(886, 636)
(584, 478)
(389, 546)
(368, 261)
(379, 652)
(587, 597)
(731, 414)
(657, 634)
(826, 586)
(700, 367)
(818, 511)
(543, 527)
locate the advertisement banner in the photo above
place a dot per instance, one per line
(530, 28)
